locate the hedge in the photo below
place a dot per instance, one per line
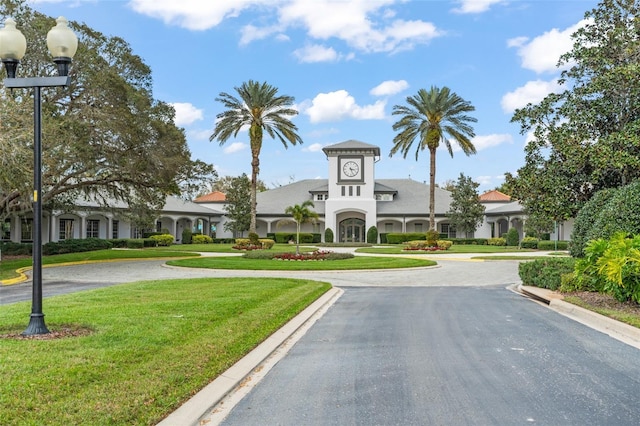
(468, 241)
(163, 240)
(546, 273)
(9, 248)
(551, 245)
(201, 239)
(75, 246)
(399, 238)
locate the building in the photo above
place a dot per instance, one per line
(349, 202)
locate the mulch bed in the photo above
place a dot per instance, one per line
(606, 301)
(59, 332)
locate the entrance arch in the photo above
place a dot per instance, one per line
(352, 230)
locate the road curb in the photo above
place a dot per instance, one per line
(616, 329)
(202, 403)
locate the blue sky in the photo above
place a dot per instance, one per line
(347, 63)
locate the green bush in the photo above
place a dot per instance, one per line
(75, 246)
(432, 236)
(372, 235)
(383, 238)
(187, 236)
(551, 245)
(201, 239)
(119, 242)
(497, 241)
(285, 237)
(253, 238)
(468, 241)
(399, 238)
(546, 273)
(529, 243)
(444, 244)
(9, 248)
(328, 235)
(135, 243)
(585, 220)
(164, 240)
(512, 237)
(266, 243)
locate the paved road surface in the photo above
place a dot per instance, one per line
(446, 356)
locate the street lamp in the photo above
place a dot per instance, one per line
(62, 44)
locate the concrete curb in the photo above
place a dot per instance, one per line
(202, 403)
(616, 329)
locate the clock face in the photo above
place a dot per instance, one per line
(350, 169)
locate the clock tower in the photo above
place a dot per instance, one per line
(350, 208)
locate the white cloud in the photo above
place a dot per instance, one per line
(192, 14)
(475, 6)
(484, 142)
(366, 25)
(316, 53)
(315, 147)
(338, 105)
(389, 87)
(186, 113)
(532, 92)
(235, 147)
(543, 52)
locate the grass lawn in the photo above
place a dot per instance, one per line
(358, 262)
(153, 345)
(8, 267)
(228, 248)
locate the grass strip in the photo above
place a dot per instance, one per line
(358, 262)
(8, 267)
(461, 248)
(154, 344)
(625, 317)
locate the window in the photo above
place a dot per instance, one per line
(417, 227)
(384, 197)
(6, 229)
(321, 197)
(138, 232)
(448, 229)
(93, 228)
(26, 233)
(388, 227)
(357, 191)
(114, 231)
(351, 191)
(65, 231)
(343, 191)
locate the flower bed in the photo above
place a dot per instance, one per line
(315, 255)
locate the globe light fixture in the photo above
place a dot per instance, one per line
(62, 44)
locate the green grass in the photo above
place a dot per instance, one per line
(228, 248)
(460, 248)
(8, 267)
(618, 315)
(154, 344)
(358, 262)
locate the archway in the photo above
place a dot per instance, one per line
(352, 230)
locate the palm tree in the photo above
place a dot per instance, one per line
(301, 214)
(261, 110)
(429, 117)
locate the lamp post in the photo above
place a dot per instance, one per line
(62, 44)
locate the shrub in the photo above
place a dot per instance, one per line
(187, 235)
(497, 241)
(253, 238)
(328, 235)
(546, 273)
(512, 237)
(315, 255)
(285, 237)
(529, 243)
(468, 241)
(135, 243)
(551, 245)
(75, 246)
(119, 242)
(432, 237)
(164, 240)
(201, 239)
(266, 243)
(585, 220)
(372, 235)
(399, 238)
(383, 238)
(9, 248)
(444, 244)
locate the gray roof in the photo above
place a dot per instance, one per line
(412, 197)
(178, 205)
(352, 145)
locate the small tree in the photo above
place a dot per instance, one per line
(465, 210)
(328, 235)
(372, 235)
(301, 214)
(238, 207)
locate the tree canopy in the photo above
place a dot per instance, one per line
(465, 211)
(238, 207)
(260, 108)
(301, 213)
(430, 118)
(105, 139)
(586, 137)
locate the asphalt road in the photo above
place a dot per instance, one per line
(446, 356)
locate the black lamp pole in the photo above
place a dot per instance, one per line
(36, 322)
(62, 44)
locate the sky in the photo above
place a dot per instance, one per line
(346, 63)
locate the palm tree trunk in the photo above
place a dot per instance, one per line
(255, 136)
(432, 188)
